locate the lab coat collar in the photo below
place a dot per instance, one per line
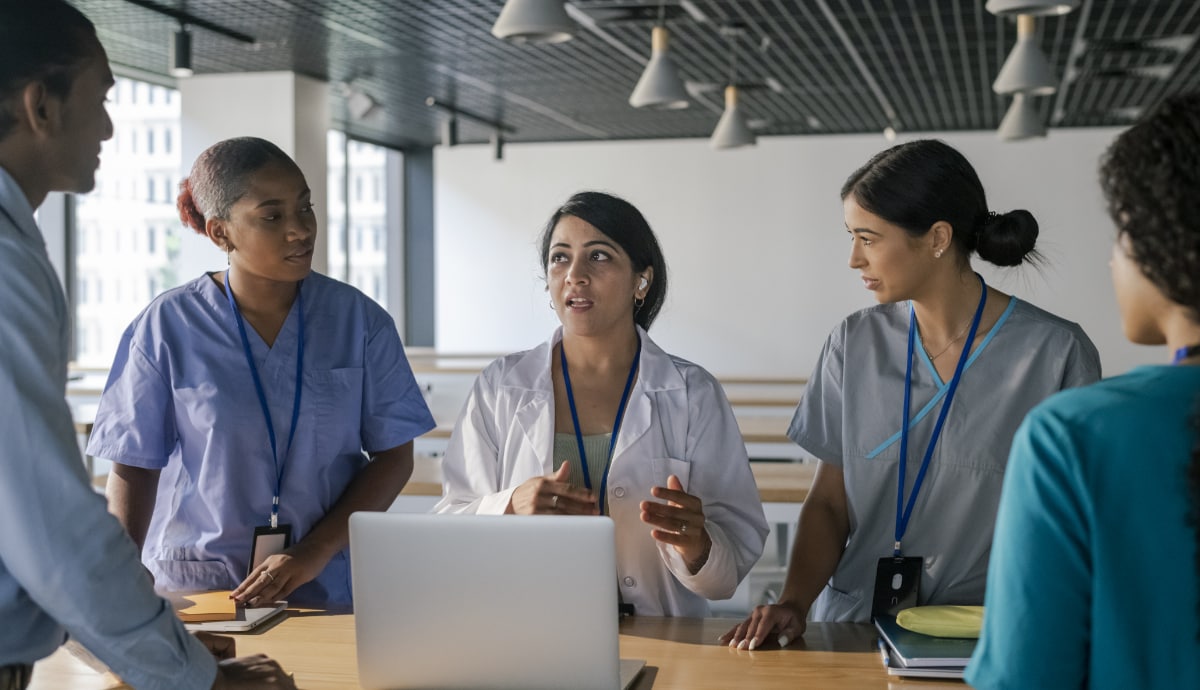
(657, 373)
(16, 207)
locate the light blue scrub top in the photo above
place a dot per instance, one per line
(850, 416)
(180, 398)
(1093, 581)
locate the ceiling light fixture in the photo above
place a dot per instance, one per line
(732, 130)
(181, 53)
(1036, 7)
(450, 131)
(1026, 70)
(497, 145)
(660, 85)
(534, 21)
(360, 104)
(1022, 121)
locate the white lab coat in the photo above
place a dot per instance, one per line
(677, 422)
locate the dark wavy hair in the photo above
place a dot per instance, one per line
(918, 183)
(1151, 178)
(44, 40)
(621, 222)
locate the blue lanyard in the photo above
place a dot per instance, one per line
(262, 396)
(1185, 352)
(612, 443)
(904, 512)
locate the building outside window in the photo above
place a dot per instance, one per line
(371, 264)
(127, 239)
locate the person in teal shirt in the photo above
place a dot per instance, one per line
(1095, 574)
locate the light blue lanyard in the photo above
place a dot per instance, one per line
(262, 395)
(612, 443)
(904, 512)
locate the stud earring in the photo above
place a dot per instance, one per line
(937, 254)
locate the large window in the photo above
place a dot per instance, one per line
(127, 231)
(364, 218)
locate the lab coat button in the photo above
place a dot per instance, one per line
(629, 582)
(619, 492)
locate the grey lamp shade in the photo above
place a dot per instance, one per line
(1022, 121)
(732, 130)
(1026, 70)
(181, 54)
(1035, 7)
(534, 21)
(660, 85)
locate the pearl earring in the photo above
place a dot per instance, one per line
(937, 254)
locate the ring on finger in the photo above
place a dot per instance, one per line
(682, 527)
(554, 501)
(269, 576)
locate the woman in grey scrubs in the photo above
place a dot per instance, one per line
(956, 362)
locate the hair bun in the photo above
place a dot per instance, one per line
(188, 212)
(1007, 239)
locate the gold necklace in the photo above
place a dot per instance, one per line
(953, 340)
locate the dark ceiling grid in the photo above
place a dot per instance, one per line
(808, 87)
(860, 112)
(900, 80)
(932, 62)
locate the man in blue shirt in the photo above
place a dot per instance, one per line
(66, 565)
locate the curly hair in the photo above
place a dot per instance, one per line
(1150, 177)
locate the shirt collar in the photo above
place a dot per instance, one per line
(15, 204)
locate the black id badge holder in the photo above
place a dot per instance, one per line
(268, 541)
(897, 583)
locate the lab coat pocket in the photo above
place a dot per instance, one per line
(192, 576)
(665, 467)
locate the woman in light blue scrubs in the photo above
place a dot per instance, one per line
(1095, 573)
(913, 403)
(263, 400)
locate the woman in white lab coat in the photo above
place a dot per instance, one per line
(600, 420)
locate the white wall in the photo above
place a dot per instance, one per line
(754, 240)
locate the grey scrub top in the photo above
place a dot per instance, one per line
(851, 416)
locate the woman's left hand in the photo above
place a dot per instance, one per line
(679, 522)
(280, 575)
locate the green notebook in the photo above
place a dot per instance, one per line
(915, 650)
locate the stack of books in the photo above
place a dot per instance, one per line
(908, 653)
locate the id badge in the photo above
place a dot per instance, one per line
(268, 541)
(897, 584)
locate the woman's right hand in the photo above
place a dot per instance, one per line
(785, 620)
(552, 495)
(258, 672)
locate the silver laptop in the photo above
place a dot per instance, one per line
(490, 602)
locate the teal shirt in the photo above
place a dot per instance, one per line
(1093, 579)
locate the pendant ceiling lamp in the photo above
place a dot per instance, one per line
(181, 53)
(1036, 7)
(1022, 121)
(732, 130)
(660, 85)
(534, 21)
(1026, 70)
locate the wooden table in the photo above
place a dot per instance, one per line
(680, 654)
